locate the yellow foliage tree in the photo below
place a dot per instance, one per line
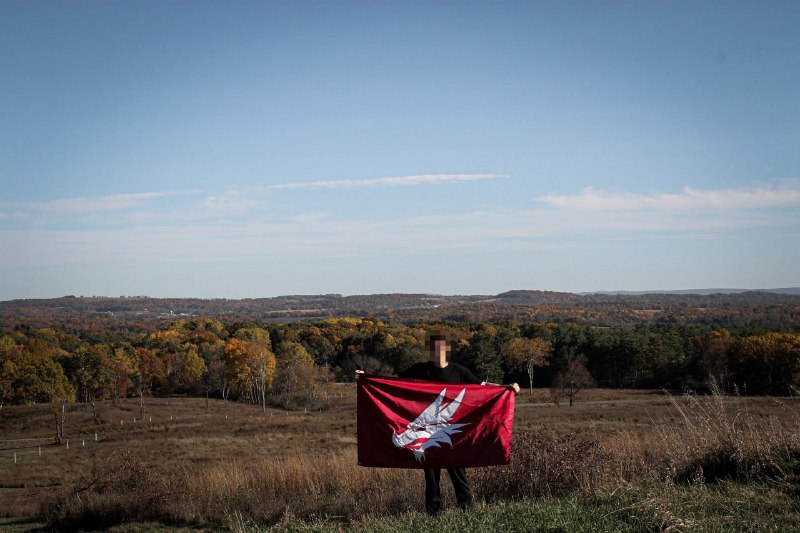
(770, 362)
(292, 354)
(528, 354)
(257, 335)
(249, 369)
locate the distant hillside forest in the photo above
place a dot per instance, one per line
(290, 363)
(142, 314)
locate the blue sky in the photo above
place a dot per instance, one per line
(252, 149)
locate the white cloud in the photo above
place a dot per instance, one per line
(94, 204)
(786, 195)
(423, 179)
(232, 202)
(310, 218)
(132, 208)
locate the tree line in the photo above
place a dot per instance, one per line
(290, 363)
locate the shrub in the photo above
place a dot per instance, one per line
(120, 490)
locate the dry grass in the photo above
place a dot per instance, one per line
(713, 438)
(544, 465)
(236, 466)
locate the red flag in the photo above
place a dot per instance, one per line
(410, 423)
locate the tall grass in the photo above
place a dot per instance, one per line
(711, 438)
(545, 465)
(328, 486)
(310, 486)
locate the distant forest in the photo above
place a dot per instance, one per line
(88, 349)
(602, 310)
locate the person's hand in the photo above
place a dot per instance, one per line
(358, 373)
(514, 387)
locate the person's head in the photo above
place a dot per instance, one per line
(438, 348)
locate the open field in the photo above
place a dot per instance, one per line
(236, 465)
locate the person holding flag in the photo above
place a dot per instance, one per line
(481, 437)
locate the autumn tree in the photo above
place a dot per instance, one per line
(714, 353)
(9, 355)
(183, 368)
(289, 353)
(296, 371)
(123, 365)
(214, 376)
(149, 370)
(250, 369)
(214, 379)
(32, 375)
(318, 345)
(304, 384)
(769, 362)
(208, 337)
(522, 353)
(256, 335)
(92, 375)
(573, 377)
(407, 350)
(210, 326)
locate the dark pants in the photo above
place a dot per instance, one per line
(433, 496)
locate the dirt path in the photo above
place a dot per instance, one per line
(597, 402)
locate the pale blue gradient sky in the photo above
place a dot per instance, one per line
(263, 148)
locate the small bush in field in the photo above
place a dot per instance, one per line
(120, 490)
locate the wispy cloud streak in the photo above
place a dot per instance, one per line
(94, 204)
(787, 195)
(423, 179)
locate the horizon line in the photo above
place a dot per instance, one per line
(709, 290)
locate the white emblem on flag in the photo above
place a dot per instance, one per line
(431, 428)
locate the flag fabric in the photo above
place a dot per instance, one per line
(410, 423)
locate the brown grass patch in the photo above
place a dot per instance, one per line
(235, 464)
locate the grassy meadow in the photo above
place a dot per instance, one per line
(616, 461)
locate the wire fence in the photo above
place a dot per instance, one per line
(15, 450)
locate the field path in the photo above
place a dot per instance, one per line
(597, 402)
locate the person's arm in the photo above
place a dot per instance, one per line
(398, 374)
(512, 386)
